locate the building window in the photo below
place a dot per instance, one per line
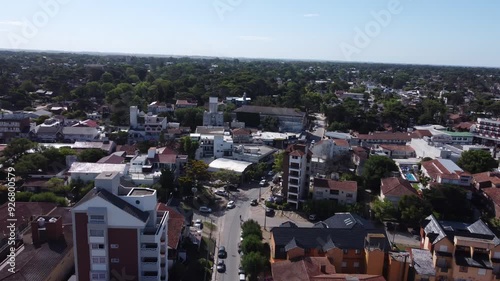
(443, 248)
(114, 246)
(348, 195)
(98, 260)
(98, 276)
(334, 192)
(344, 264)
(97, 246)
(96, 218)
(97, 232)
(345, 251)
(115, 260)
(463, 269)
(295, 157)
(356, 264)
(357, 251)
(481, 271)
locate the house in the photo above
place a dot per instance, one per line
(112, 159)
(397, 151)
(242, 135)
(353, 243)
(175, 232)
(86, 123)
(398, 138)
(119, 231)
(42, 253)
(157, 107)
(89, 171)
(80, 133)
(358, 157)
(289, 120)
(394, 188)
(313, 269)
(342, 192)
(445, 171)
(459, 251)
(330, 148)
(296, 174)
(47, 134)
(486, 179)
(422, 265)
(185, 104)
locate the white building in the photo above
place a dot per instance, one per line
(119, 232)
(342, 192)
(89, 171)
(216, 146)
(296, 174)
(213, 117)
(444, 171)
(329, 148)
(146, 126)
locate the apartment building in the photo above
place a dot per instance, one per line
(342, 192)
(353, 243)
(488, 129)
(13, 126)
(213, 117)
(460, 251)
(289, 119)
(119, 233)
(296, 174)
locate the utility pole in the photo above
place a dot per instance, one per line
(208, 249)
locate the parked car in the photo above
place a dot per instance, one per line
(221, 266)
(222, 254)
(230, 205)
(243, 277)
(198, 224)
(269, 212)
(254, 202)
(271, 173)
(263, 183)
(205, 209)
(221, 192)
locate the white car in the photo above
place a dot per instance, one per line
(205, 209)
(230, 205)
(198, 224)
(263, 183)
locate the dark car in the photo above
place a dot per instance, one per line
(269, 212)
(254, 202)
(222, 253)
(221, 266)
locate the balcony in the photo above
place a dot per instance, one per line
(293, 190)
(149, 250)
(150, 265)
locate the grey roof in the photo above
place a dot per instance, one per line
(437, 230)
(47, 130)
(339, 236)
(476, 260)
(79, 131)
(347, 221)
(292, 244)
(288, 224)
(117, 201)
(268, 110)
(422, 262)
(329, 244)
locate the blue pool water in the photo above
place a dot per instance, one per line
(410, 177)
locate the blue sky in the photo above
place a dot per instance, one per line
(449, 32)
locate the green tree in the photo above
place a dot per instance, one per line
(91, 155)
(226, 176)
(278, 161)
(31, 163)
(445, 199)
(49, 197)
(165, 185)
(477, 161)
(252, 243)
(384, 210)
(188, 147)
(376, 168)
(413, 209)
(254, 263)
(18, 147)
(23, 196)
(251, 227)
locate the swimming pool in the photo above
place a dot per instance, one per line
(411, 177)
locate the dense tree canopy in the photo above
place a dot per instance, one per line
(477, 161)
(376, 168)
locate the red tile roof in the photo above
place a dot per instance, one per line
(175, 225)
(494, 194)
(297, 153)
(340, 142)
(385, 136)
(435, 168)
(129, 148)
(395, 147)
(184, 102)
(25, 210)
(463, 125)
(422, 133)
(112, 159)
(396, 186)
(166, 150)
(349, 186)
(242, 132)
(493, 178)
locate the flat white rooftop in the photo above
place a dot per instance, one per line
(228, 164)
(85, 167)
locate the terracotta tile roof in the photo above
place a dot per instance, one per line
(297, 153)
(463, 125)
(493, 178)
(385, 136)
(25, 210)
(394, 147)
(175, 225)
(129, 148)
(435, 169)
(494, 194)
(112, 159)
(339, 142)
(396, 186)
(360, 151)
(298, 147)
(184, 102)
(349, 186)
(241, 132)
(422, 133)
(301, 270)
(166, 150)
